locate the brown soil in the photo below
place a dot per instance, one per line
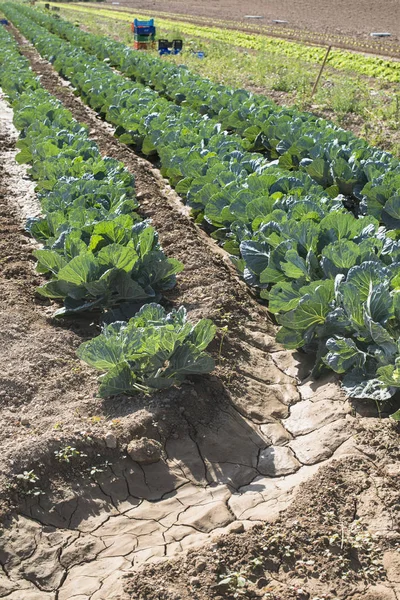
(357, 19)
(41, 383)
(336, 541)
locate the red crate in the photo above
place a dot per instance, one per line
(143, 45)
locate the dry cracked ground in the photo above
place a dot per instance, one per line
(257, 451)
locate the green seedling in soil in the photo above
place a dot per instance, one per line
(256, 562)
(27, 479)
(97, 469)
(236, 581)
(67, 453)
(95, 419)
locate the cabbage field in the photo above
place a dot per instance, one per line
(309, 212)
(304, 212)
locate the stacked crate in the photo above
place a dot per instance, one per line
(144, 34)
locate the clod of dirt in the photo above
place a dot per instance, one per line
(111, 440)
(144, 451)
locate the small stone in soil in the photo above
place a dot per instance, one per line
(200, 565)
(111, 440)
(236, 528)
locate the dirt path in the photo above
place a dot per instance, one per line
(232, 448)
(40, 373)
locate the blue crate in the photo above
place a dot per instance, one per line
(149, 23)
(177, 46)
(3, 22)
(144, 30)
(162, 51)
(144, 27)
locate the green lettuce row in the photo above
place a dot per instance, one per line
(299, 255)
(96, 251)
(334, 158)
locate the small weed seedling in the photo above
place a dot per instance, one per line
(97, 469)
(29, 479)
(224, 331)
(67, 453)
(235, 581)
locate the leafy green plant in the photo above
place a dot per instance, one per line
(27, 481)
(236, 581)
(106, 264)
(334, 287)
(67, 453)
(28, 476)
(153, 350)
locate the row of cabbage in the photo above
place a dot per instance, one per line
(334, 158)
(206, 164)
(332, 280)
(97, 251)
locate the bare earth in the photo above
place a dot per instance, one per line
(359, 17)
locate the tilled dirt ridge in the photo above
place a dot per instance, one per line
(37, 358)
(358, 19)
(233, 447)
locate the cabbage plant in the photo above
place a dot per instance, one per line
(153, 350)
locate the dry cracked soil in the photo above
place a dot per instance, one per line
(254, 481)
